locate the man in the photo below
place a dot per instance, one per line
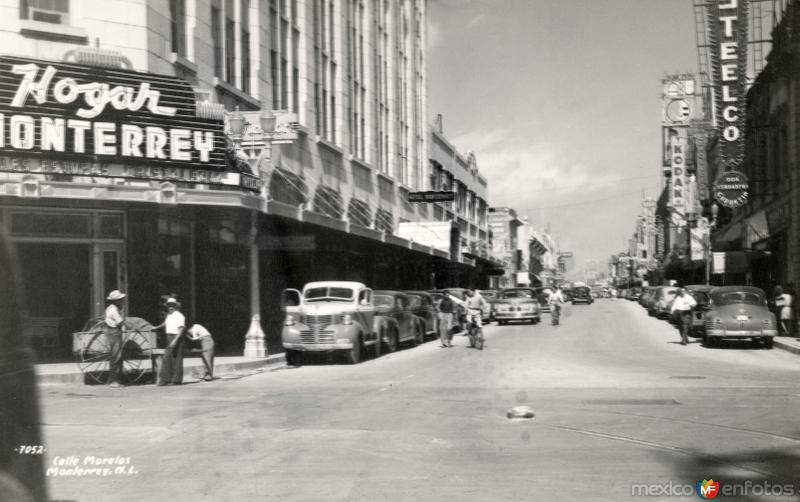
(201, 334)
(171, 371)
(114, 322)
(446, 307)
(555, 301)
(682, 310)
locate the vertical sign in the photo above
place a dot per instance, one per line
(699, 237)
(678, 181)
(728, 40)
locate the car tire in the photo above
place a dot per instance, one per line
(501, 323)
(419, 335)
(354, 354)
(708, 341)
(376, 349)
(392, 344)
(292, 357)
(768, 342)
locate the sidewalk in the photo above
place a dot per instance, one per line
(787, 343)
(192, 368)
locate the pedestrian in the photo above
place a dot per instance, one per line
(201, 334)
(784, 311)
(171, 371)
(446, 307)
(682, 311)
(114, 322)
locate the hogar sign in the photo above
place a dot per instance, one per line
(78, 112)
(728, 31)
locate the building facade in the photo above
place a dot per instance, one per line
(346, 81)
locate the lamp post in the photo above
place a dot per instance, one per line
(711, 225)
(255, 339)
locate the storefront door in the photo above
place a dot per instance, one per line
(108, 268)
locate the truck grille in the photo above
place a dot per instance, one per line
(320, 320)
(317, 336)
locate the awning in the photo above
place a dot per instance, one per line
(731, 234)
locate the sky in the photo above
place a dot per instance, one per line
(561, 102)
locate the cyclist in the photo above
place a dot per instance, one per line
(474, 305)
(555, 301)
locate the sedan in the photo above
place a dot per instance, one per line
(517, 304)
(739, 312)
(423, 305)
(392, 308)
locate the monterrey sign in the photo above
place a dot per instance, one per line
(728, 38)
(73, 115)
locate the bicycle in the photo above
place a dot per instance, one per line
(475, 331)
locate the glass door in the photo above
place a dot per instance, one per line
(109, 273)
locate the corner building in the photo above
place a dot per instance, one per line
(347, 81)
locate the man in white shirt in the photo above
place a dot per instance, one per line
(682, 311)
(114, 322)
(201, 334)
(171, 371)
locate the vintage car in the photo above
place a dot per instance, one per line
(331, 316)
(491, 296)
(700, 294)
(739, 312)
(398, 322)
(517, 304)
(582, 294)
(543, 297)
(662, 302)
(423, 305)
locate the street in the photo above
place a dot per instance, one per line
(618, 402)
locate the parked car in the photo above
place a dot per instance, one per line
(582, 294)
(543, 297)
(491, 296)
(661, 303)
(517, 304)
(700, 294)
(739, 312)
(422, 304)
(331, 316)
(398, 321)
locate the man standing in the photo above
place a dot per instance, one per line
(682, 310)
(171, 371)
(114, 322)
(446, 308)
(555, 300)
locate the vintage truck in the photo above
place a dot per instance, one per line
(334, 316)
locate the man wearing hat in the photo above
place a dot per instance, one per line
(113, 329)
(171, 371)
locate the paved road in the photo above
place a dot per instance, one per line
(618, 402)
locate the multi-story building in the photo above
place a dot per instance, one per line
(504, 224)
(153, 200)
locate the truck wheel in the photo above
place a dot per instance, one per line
(292, 357)
(354, 354)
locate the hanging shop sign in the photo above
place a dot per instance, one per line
(731, 189)
(62, 115)
(677, 182)
(728, 31)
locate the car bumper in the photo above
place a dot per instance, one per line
(581, 300)
(724, 333)
(516, 316)
(318, 347)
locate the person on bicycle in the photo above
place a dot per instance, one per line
(555, 301)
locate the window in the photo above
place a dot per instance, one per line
(232, 41)
(216, 35)
(245, 43)
(46, 11)
(177, 11)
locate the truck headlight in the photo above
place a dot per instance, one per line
(347, 319)
(289, 321)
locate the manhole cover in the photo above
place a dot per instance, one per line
(520, 413)
(633, 401)
(688, 377)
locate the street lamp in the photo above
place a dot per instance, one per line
(711, 225)
(255, 339)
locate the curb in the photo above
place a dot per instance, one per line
(794, 348)
(76, 377)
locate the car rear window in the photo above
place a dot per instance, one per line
(383, 301)
(732, 297)
(414, 300)
(518, 293)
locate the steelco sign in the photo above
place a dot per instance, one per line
(731, 189)
(103, 115)
(728, 28)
